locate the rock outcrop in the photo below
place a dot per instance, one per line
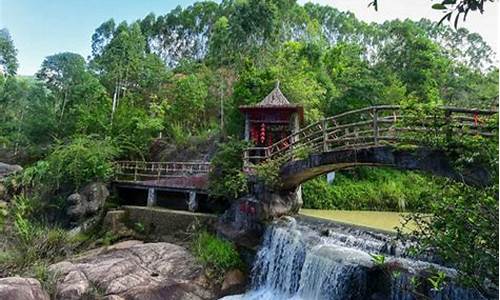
(88, 201)
(6, 169)
(234, 283)
(15, 288)
(132, 270)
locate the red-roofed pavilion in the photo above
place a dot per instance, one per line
(272, 119)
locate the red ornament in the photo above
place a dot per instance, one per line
(262, 133)
(476, 119)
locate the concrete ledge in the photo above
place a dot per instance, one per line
(166, 221)
(318, 222)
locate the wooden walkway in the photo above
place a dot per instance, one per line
(173, 176)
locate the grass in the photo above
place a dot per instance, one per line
(381, 220)
(380, 189)
(217, 254)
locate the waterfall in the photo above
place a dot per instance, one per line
(296, 262)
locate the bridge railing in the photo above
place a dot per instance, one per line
(141, 170)
(374, 126)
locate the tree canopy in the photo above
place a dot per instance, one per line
(188, 71)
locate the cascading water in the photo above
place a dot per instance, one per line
(297, 262)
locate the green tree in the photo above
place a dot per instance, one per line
(419, 63)
(119, 60)
(219, 51)
(354, 82)
(188, 102)
(60, 73)
(8, 54)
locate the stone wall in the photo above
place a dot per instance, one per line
(165, 221)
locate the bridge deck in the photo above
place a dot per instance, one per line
(180, 184)
(168, 176)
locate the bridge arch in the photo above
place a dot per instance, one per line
(435, 162)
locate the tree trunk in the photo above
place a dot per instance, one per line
(113, 106)
(63, 105)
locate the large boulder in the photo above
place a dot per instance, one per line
(132, 270)
(88, 201)
(234, 282)
(244, 222)
(241, 223)
(6, 169)
(16, 288)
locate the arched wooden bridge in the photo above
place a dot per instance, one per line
(376, 136)
(368, 136)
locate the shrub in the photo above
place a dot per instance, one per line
(227, 179)
(217, 254)
(83, 160)
(31, 242)
(268, 172)
(462, 229)
(74, 164)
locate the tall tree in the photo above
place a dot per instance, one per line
(8, 59)
(61, 72)
(118, 61)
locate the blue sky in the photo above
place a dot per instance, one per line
(41, 28)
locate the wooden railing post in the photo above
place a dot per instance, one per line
(375, 126)
(325, 135)
(448, 120)
(246, 160)
(158, 172)
(135, 172)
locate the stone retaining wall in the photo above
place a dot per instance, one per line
(166, 221)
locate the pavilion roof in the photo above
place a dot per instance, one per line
(275, 99)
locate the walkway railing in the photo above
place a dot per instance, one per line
(374, 126)
(141, 171)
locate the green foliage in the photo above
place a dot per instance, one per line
(465, 147)
(268, 172)
(107, 239)
(139, 227)
(134, 128)
(302, 152)
(227, 179)
(3, 214)
(188, 102)
(437, 280)
(8, 60)
(47, 279)
(378, 259)
(215, 253)
(367, 188)
(225, 55)
(462, 229)
(33, 242)
(83, 160)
